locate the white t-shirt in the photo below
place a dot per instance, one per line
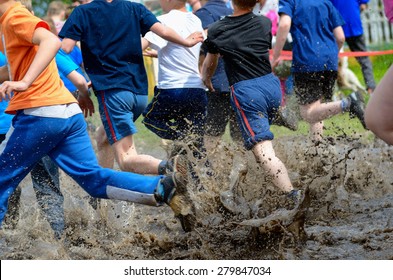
(177, 65)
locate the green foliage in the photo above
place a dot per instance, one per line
(41, 6)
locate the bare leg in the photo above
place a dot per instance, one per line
(105, 154)
(265, 155)
(125, 153)
(316, 112)
(316, 131)
(129, 160)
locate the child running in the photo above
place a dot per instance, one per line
(244, 40)
(178, 109)
(48, 121)
(317, 37)
(110, 35)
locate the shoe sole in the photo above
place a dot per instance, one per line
(180, 164)
(182, 205)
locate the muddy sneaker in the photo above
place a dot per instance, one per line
(173, 191)
(177, 163)
(285, 117)
(356, 108)
(296, 196)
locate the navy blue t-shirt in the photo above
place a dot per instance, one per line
(110, 36)
(314, 45)
(211, 12)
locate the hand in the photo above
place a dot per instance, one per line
(86, 104)
(150, 53)
(275, 62)
(8, 87)
(208, 84)
(194, 38)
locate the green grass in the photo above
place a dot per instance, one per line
(335, 126)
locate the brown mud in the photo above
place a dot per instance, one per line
(350, 215)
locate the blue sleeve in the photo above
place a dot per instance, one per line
(147, 19)
(363, 2)
(286, 7)
(65, 64)
(72, 28)
(76, 55)
(205, 17)
(3, 59)
(335, 17)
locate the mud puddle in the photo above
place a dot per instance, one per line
(350, 215)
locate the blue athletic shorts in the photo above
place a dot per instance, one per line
(119, 109)
(177, 113)
(256, 101)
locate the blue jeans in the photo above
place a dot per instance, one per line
(46, 184)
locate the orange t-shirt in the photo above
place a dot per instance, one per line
(17, 30)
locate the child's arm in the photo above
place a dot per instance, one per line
(284, 26)
(84, 99)
(145, 44)
(170, 35)
(148, 52)
(208, 68)
(48, 44)
(67, 45)
(338, 33)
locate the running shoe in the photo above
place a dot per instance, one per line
(173, 191)
(356, 108)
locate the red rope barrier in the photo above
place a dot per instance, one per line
(287, 55)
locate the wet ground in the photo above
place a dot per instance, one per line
(350, 216)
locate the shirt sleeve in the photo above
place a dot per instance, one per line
(24, 26)
(156, 42)
(210, 46)
(335, 17)
(147, 19)
(65, 64)
(286, 7)
(72, 28)
(205, 18)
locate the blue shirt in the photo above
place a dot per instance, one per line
(5, 119)
(314, 45)
(66, 65)
(110, 36)
(211, 12)
(76, 56)
(350, 11)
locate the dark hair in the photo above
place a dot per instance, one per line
(246, 4)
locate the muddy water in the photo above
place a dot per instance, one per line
(350, 216)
